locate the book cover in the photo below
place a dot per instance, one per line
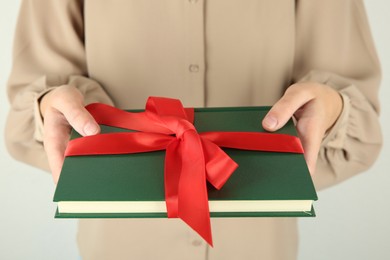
(132, 185)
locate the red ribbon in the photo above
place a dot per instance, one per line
(190, 158)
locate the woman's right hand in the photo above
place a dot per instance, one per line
(63, 108)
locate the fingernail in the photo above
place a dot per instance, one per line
(91, 129)
(270, 122)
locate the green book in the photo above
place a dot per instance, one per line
(266, 184)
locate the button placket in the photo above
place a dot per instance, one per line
(196, 242)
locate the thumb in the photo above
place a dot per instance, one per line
(80, 119)
(283, 110)
(69, 102)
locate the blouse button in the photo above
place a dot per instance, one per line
(196, 242)
(194, 68)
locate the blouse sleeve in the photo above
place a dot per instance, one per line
(48, 52)
(334, 47)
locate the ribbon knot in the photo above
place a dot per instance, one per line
(179, 126)
(190, 158)
(185, 128)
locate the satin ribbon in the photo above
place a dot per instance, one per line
(190, 157)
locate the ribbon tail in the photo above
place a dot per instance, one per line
(195, 213)
(172, 178)
(200, 223)
(193, 198)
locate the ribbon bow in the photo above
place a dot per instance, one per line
(190, 158)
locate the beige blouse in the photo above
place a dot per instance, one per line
(206, 53)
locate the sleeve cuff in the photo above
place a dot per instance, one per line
(336, 136)
(38, 119)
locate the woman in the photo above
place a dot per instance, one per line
(314, 60)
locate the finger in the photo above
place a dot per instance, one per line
(310, 133)
(57, 132)
(293, 99)
(71, 106)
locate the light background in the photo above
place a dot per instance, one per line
(353, 217)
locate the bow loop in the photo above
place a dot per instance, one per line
(219, 166)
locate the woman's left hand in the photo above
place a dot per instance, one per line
(316, 107)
